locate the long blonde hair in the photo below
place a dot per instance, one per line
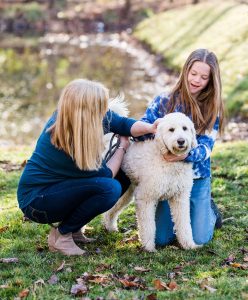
(78, 128)
(209, 104)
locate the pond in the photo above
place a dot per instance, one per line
(31, 78)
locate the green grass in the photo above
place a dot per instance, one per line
(220, 26)
(27, 242)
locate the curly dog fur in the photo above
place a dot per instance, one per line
(154, 179)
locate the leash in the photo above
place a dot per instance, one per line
(112, 147)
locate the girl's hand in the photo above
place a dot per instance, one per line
(155, 125)
(173, 158)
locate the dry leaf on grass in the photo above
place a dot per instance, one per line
(141, 269)
(172, 285)
(245, 258)
(239, 266)
(79, 289)
(4, 228)
(103, 267)
(152, 296)
(160, 285)
(61, 267)
(53, 279)
(9, 260)
(23, 293)
(4, 286)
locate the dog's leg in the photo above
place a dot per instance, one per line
(180, 210)
(145, 211)
(110, 217)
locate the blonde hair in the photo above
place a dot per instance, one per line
(78, 128)
(209, 104)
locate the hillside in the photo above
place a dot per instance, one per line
(219, 26)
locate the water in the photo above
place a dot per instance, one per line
(31, 78)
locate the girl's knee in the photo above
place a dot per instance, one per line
(202, 238)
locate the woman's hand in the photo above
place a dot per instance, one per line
(173, 158)
(124, 142)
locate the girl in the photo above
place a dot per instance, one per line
(66, 180)
(198, 95)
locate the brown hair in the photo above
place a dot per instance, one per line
(209, 104)
(78, 128)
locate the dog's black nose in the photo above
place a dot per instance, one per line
(180, 142)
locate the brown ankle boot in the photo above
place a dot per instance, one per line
(80, 237)
(52, 237)
(63, 243)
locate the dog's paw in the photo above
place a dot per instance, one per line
(188, 246)
(149, 248)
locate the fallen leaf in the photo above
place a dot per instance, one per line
(53, 279)
(4, 228)
(68, 270)
(151, 297)
(4, 286)
(172, 285)
(141, 269)
(39, 282)
(9, 260)
(23, 293)
(210, 289)
(131, 239)
(79, 289)
(229, 259)
(239, 266)
(130, 284)
(61, 267)
(100, 280)
(245, 258)
(160, 285)
(103, 267)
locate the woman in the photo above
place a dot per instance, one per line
(66, 180)
(197, 94)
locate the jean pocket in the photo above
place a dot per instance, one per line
(36, 215)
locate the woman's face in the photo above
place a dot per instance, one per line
(198, 77)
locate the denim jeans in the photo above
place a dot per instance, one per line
(75, 202)
(201, 214)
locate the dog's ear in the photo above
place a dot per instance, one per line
(160, 143)
(193, 132)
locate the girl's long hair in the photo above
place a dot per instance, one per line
(78, 128)
(209, 105)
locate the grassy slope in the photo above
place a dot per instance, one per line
(220, 26)
(27, 241)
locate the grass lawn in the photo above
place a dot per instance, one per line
(217, 271)
(220, 26)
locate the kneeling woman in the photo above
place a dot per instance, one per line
(66, 180)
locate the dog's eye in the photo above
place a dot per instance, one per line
(185, 128)
(172, 129)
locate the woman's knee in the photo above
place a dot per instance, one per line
(113, 190)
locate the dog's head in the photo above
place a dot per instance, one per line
(176, 134)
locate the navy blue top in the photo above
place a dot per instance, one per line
(49, 165)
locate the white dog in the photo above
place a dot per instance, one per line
(154, 179)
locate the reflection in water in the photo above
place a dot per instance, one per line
(32, 78)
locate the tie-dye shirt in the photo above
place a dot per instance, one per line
(200, 155)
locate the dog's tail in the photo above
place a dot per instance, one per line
(118, 105)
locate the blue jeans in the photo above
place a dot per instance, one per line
(75, 202)
(202, 216)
